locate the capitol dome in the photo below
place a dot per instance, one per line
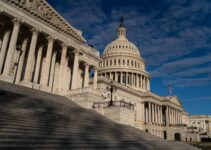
(123, 63)
(121, 45)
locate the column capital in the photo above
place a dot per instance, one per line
(86, 64)
(50, 39)
(35, 30)
(64, 45)
(76, 52)
(16, 21)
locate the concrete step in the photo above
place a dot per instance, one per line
(35, 120)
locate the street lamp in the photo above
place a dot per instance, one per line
(20, 51)
(112, 88)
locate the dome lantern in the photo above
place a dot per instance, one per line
(121, 29)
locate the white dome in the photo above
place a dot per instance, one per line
(123, 63)
(121, 46)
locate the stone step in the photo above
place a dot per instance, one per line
(32, 119)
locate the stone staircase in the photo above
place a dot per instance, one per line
(31, 119)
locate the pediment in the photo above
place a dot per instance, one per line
(175, 100)
(42, 11)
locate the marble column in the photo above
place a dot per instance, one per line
(160, 115)
(56, 78)
(120, 77)
(75, 71)
(42, 69)
(95, 77)
(148, 84)
(137, 80)
(147, 115)
(38, 63)
(21, 61)
(167, 115)
(156, 114)
(52, 70)
(11, 50)
(111, 75)
(150, 113)
(46, 71)
(29, 65)
(158, 107)
(153, 113)
(170, 110)
(116, 76)
(4, 48)
(61, 80)
(126, 78)
(143, 82)
(68, 77)
(86, 75)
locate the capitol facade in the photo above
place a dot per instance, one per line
(39, 49)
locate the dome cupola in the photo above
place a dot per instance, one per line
(123, 63)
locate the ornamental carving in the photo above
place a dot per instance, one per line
(43, 11)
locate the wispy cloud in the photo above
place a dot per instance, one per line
(167, 33)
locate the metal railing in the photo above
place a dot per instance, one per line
(115, 104)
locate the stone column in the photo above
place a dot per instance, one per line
(167, 116)
(75, 71)
(146, 115)
(52, 70)
(158, 107)
(121, 77)
(86, 75)
(111, 75)
(174, 116)
(153, 113)
(143, 82)
(46, 71)
(21, 61)
(56, 78)
(161, 113)
(150, 113)
(116, 77)
(38, 63)
(156, 114)
(126, 78)
(95, 77)
(142, 112)
(4, 49)
(61, 79)
(68, 77)
(148, 84)
(11, 50)
(29, 65)
(137, 80)
(42, 69)
(170, 110)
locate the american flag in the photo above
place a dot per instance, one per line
(170, 88)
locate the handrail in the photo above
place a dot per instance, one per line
(120, 103)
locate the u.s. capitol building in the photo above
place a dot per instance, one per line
(39, 49)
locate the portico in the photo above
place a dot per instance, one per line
(38, 56)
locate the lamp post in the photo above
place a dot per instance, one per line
(112, 88)
(20, 51)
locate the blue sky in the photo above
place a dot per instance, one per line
(173, 36)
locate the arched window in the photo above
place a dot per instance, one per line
(123, 62)
(114, 61)
(106, 63)
(128, 62)
(119, 61)
(131, 63)
(110, 62)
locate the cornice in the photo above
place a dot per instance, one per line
(42, 11)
